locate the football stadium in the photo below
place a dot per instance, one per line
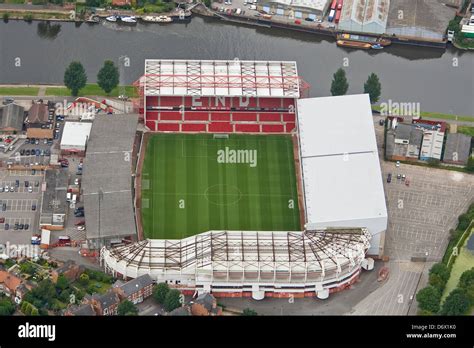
(244, 187)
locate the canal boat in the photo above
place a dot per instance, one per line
(377, 47)
(157, 19)
(354, 44)
(93, 19)
(364, 39)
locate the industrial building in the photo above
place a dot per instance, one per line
(421, 19)
(403, 142)
(433, 139)
(365, 16)
(40, 121)
(457, 149)
(342, 178)
(54, 205)
(298, 9)
(259, 97)
(107, 180)
(74, 137)
(12, 117)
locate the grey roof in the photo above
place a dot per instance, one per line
(136, 284)
(206, 299)
(12, 116)
(181, 311)
(38, 113)
(54, 198)
(107, 177)
(106, 300)
(457, 145)
(403, 131)
(416, 136)
(83, 310)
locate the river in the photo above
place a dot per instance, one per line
(440, 80)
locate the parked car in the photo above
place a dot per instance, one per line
(7, 226)
(30, 189)
(27, 152)
(27, 183)
(27, 226)
(389, 178)
(81, 228)
(37, 183)
(8, 100)
(37, 142)
(80, 223)
(37, 152)
(2, 220)
(77, 181)
(33, 207)
(397, 164)
(33, 171)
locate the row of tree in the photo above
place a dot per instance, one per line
(75, 77)
(458, 302)
(372, 86)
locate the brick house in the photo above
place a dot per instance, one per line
(39, 122)
(69, 269)
(13, 286)
(135, 290)
(205, 305)
(106, 304)
(85, 309)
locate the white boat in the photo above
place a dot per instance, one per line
(157, 19)
(377, 47)
(111, 19)
(128, 19)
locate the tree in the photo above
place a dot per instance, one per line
(127, 308)
(457, 303)
(249, 312)
(438, 276)
(62, 282)
(172, 300)
(108, 76)
(75, 77)
(6, 306)
(339, 85)
(84, 279)
(470, 165)
(467, 278)
(6, 16)
(429, 299)
(160, 291)
(373, 87)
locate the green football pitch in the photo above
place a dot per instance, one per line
(195, 183)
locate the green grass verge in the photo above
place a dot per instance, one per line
(7, 91)
(99, 287)
(91, 89)
(437, 115)
(186, 191)
(466, 130)
(464, 261)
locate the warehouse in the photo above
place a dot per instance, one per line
(298, 9)
(54, 205)
(342, 178)
(457, 149)
(421, 19)
(107, 180)
(74, 138)
(364, 16)
(12, 117)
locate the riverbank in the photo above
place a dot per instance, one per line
(90, 89)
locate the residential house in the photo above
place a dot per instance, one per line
(105, 304)
(205, 305)
(13, 286)
(69, 269)
(136, 290)
(86, 309)
(181, 312)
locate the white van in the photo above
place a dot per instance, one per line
(74, 199)
(68, 197)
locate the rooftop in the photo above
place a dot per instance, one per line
(12, 116)
(38, 113)
(341, 169)
(136, 284)
(317, 5)
(221, 78)
(75, 134)
(457, 148)
(107, 177)
(54, 198)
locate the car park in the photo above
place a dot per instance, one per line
(22, 152)
(17, 183)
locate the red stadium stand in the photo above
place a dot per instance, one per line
(170, 101)
(270, 103)
(151, 125)
(194, 127)
(244, 116)
(152, 116)
(287, 103)
(220, 116)
(273, 128)
(269, 117)
(220, 127)
(288, 117)
(151, 101)
(247, 128)
(196, 115)
(168, 127)
(290, 127)
(170, 116)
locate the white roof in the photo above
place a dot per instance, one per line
(220, 78)
(341, 169)
(75, 134)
